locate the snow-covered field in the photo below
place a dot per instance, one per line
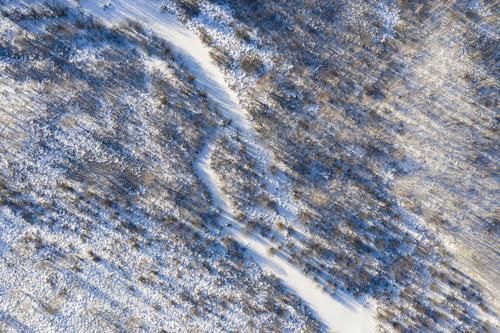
(198, 165)
(103, 224)
(343, 315)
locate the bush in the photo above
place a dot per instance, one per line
(251, 64)
(190, 7)
(163, 100)
(135, 26)
(220, 57)
(94, 257)
(243, 34)
(205, 37)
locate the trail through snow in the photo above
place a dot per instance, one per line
(340, 315)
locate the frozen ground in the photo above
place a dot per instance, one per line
(308, 54)
(345, 315)
(200, 165)
(132, 99)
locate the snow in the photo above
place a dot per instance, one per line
(340, 316)
(342, 313)
(343, 316)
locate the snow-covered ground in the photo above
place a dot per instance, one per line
(342, 314)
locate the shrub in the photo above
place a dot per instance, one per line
(251, 64)
(163, 100)
(58, 10)
(95, 257)
(190, 7)
(51, 308)
(135, 26)
(220, 57)
(205, 37)
(243, 34)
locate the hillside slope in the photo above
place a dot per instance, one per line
(248, 166)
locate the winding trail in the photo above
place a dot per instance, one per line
(342, 314)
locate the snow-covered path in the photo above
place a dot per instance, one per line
(340, 316)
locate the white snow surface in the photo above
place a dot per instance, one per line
(340, 314)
